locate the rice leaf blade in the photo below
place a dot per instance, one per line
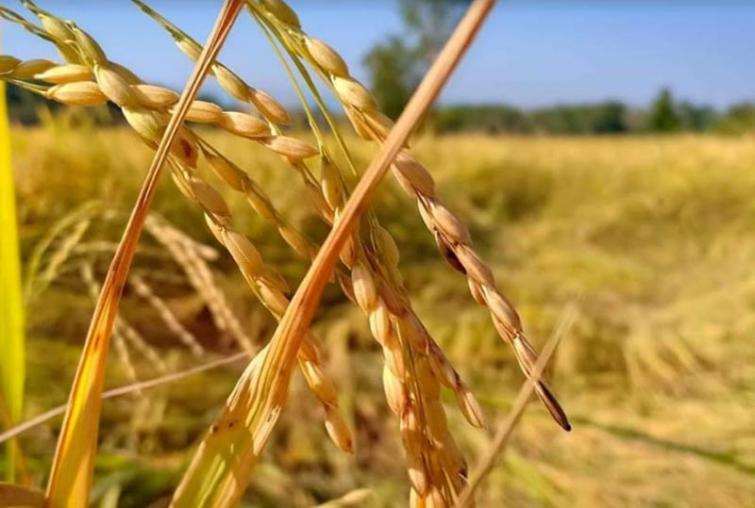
(12, 368)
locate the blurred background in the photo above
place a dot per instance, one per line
(603, 154)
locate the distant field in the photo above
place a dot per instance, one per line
(650, 239)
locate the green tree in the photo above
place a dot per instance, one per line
(738, 119)
(397, 65)
(393, 74)
(664, 116)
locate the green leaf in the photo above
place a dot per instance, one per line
(12, 366)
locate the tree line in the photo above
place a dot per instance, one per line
(396, 66)
(664, 114)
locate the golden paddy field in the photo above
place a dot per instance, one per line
(648, 241)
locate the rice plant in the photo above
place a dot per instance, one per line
(359, 255)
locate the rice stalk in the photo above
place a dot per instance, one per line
(87, 276)
(219, 473)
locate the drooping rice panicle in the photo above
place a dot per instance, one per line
(125, 89)
(415, 367)
(329, 192)
(219, 472)
(450, 233)
(145, 291)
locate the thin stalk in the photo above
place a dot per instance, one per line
(504, 432)
(311, 120)
(274, 33)
(48, 415)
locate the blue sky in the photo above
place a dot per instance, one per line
(530, 53)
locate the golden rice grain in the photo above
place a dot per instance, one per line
(30, 68)
(157, 97)
(91, 49)
(283, 12)
(291, 148)
(319, 384)
(209, 198)
(354, 93)
(147, 124)
(395, 393)
(83, 93)
(268, 106)
(116, 88)
(365, 291)
(326, 57)
(69, 73)
(227, 171)
(243, 252)
(450, 224)
(474, 266)
(8, 63)
(274, 299)
(297, 241)
(412, 175)
(244, 124)
(231, 83)
(204, 112)
(338, 430)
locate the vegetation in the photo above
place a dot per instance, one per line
(640, 235)
(611, 117)
(397, 65)
(412, 333)
(663, 115)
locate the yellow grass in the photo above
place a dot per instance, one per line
(654, 234)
